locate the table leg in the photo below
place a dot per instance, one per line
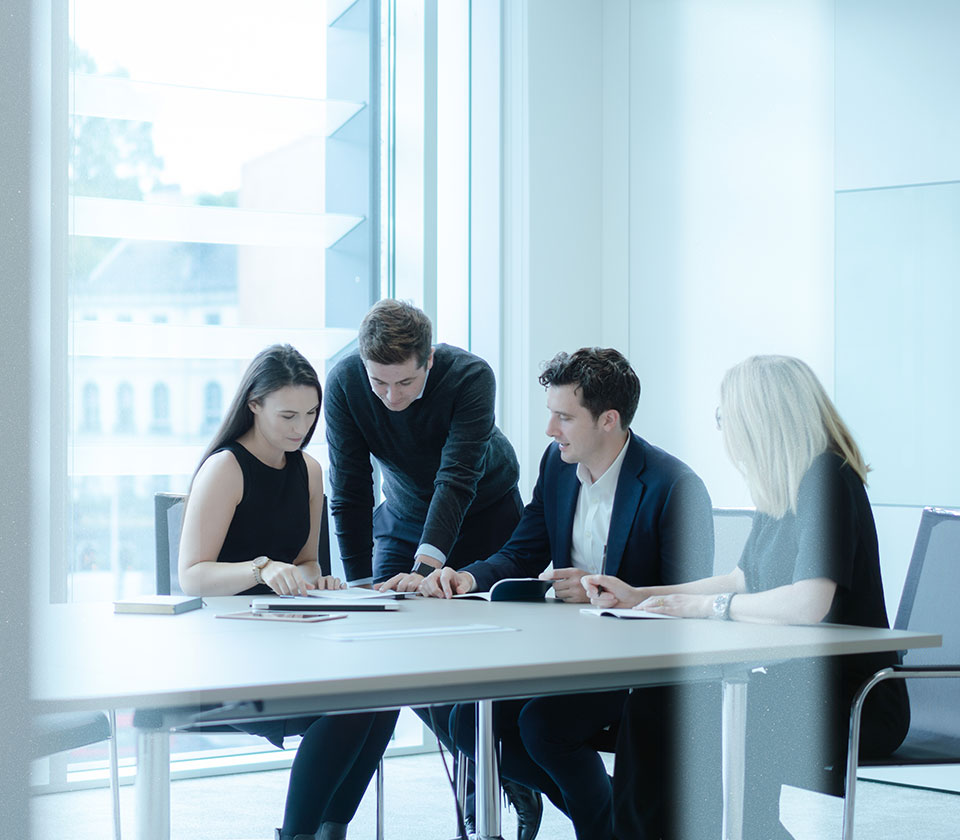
(152, 787)
(734, 754)
(487, 784)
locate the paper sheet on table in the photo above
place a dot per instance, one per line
(626, 613)
(408, 632)
(353, 593)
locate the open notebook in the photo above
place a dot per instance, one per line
(513, 589)
(625, 613)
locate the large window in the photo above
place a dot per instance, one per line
(230, 178)
(223, 168)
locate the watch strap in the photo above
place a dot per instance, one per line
(721, 606)
(259, 564)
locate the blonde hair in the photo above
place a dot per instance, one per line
(776, 420)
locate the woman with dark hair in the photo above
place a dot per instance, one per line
(811, 556)
(251, 526)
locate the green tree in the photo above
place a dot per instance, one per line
(107, 159)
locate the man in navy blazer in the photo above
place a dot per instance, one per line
(605, 500)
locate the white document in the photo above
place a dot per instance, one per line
(625, 613)
(352, 593)
(417, 632)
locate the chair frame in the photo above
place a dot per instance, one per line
(901, 672)
(111, 739)
(893, 673)
(162, 502)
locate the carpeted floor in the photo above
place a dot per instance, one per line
(247, 806)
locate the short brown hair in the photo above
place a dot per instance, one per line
(602, 378)
(393, 331)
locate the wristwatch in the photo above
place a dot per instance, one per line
(721, 606)
(423, 569)
(259, 564)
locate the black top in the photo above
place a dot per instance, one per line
(832, 535)
(273, 516)
(439, 457)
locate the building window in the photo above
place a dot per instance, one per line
(161, 408)
(90, 423)
(124, 424)
(212, 407)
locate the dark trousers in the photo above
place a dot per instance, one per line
(664, 784)
(396, 537)
(546, 744)
(335, 761)
(482, 534)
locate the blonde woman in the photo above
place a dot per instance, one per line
(811, 556)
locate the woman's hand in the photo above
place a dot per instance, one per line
(285, 579)
(607, 591)
(684, 606)
(330, 582)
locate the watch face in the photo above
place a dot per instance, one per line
(719, 605)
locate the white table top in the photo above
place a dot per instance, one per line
(87, 657)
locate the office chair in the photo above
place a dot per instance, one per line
(927, 603)
(59, 732)
(731, 526)
(168, 521)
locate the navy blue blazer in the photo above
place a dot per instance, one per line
(661, 528)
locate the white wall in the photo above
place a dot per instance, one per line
(898, 124)
(706, 199)
(731, 221)
(553, 194)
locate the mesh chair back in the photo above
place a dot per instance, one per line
(731, 526)
(168, 520)
(929, 602)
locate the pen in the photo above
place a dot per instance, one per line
(603, 568)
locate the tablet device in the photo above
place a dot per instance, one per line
(283, 603)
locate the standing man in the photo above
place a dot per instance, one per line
(426, 414)
(605, 499)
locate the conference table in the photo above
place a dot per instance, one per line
(193, 667)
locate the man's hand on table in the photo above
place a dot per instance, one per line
(446, 582)
(408, 581)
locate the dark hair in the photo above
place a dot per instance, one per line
(602, 376)
(272, 369)
(393, 331)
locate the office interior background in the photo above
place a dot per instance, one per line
(691, 182)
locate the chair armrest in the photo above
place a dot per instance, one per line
(905, 671)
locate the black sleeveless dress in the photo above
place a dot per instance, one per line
(273, 517)
(338, 754)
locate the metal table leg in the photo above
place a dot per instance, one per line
(152, 787)
(734, 753)
(487, 785)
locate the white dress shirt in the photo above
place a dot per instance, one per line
(591, 520)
